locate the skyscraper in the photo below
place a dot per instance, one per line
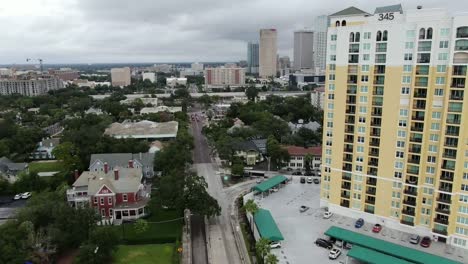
(268, 50)
(396, 120)
(252, 57)
(303, 49)
(320, 41)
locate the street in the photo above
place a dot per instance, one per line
(221, 240)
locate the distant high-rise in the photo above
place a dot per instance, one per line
(120, 76)
(268, 50)
(303, 49)
(320, 41)
(252, 57)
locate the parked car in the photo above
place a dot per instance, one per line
(327, 214)
(377, 228)
(414, 239)
(323, 243)
(309, 179)
(339, 243)
(316, 181)
(289, 169)
(359, 223)
(274, 189)
(308, 173)
(334, 253)
(259, 180)
(426, 242)
(275, 244)
(303, 208)
(348, 245)
(17, 197)
(297, 173)
(25, 195)
(303, 180)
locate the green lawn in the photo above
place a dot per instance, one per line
(45, 166)
(145, 254)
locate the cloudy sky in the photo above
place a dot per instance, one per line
(89, 31)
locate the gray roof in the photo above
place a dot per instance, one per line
(261, 145)
(7, 165)
(49, 141)
(389, 9)
(349, 12)
(245, 146)
(121, 159)
(129, 180)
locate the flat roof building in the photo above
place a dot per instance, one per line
(143, 130)
(121, 76)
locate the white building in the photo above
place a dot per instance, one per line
(149, 76)
(268, 51)
(174, 81)
(317, 97)
(197, 67)
(121, 76)
(222, 77)
(31, 86)
(320, 42)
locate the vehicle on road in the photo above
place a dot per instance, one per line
(377, 228)
(323, 243)
(414, 239)
(303, 208)
(25, 195)
(17, 197)
(316, 181)
(275, 244)
(334, 253)
(426, 242)
(359, 223)
(303, 180)
(327, 214)
(309, 180)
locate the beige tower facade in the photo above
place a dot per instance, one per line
(396, 120)
(120, 76)
(268, 51)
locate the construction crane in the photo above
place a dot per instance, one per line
(40, 63)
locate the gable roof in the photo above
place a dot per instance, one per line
(266, 225)
(301, 151)
(7, 165)
(245, 145)
(129, 180)
(261, 145)
(121, 159)
(350, 11)
(389, 9)
(270, 183)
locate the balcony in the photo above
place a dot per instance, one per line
(413, 170)
(415, 149)
(416, 139)
(352, 80)
(374, 142)
(374, 153)
(412, 180)
(346, 176)
(375, 133)
(350, 101)
(456, 95)
(445, 187)
(345, 195)
(441, 221)
(377, 113)
(417, 127)
(453, 121)
(351, 91)
(350, 120)
(420, 95)
(452, 131)
(372, 181)
(448, 166)
(422, 70)
(349, 130)
(458, 83)
(348, 149)
(408, 212)
(369, 210)
(450, 154)
(344, 203)
(346, 186)
(419, 105)
(462, 32)
(378, 92)
(377, 103)
(379, 69)
(370, 201)
(371, 191)
(443, 210)
(424, 58)
(459, 70)
(351, 111)
(411, 191)
(407, 222)
(447, 176)
(373, 163)
(446, 200)
(455, 107)
(414, 160)
(409, 202)
(441, 232)
(420, 84)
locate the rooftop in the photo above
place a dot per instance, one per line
(389, 9)
(266, 225)
(270, 183)
(143, 129)
(301, 151)
(349, 12)
(129, 180)
(121, 159)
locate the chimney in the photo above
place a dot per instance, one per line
(116, 174)
(106, 167)
(76, 174)
(130, 163)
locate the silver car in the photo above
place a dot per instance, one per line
(414, 239)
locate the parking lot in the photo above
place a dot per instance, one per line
(8, 207)
(300, 230)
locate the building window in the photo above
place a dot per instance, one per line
(436, 115)
(407, 68)
(439, 92)
(366, 46)
(440, 80)
(444, 32)
(125, 197)
(103, 212)
(333, 47)
(95, 200)
(399, 154)
(431, 159)
(109, 200)
(403, 112)
(435, 126)
(343, 23)
(365, 57)
(432, 148)
(410, 33)
(331, 106)
(364, 78)
(434, 137)
(362, 119)
(363, 99)
(360, 149)
(331, 87)
(111, 212)
(405, 90)
(333, 37)
(441, 68)
(402, 123)
(333, 57)
(408, 56)
(332, 67)
(365, 68)
(101, 201)
(406, 80)
(400, 144)
(401, 134)
(443, 44)
(367, 35)
(331, 77)
(442, 56)
(398, 174)
(362, 110)
(430, 170)
(360, 140)
(361, 130)
(398, 165)
(409, 45)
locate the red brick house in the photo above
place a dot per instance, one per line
(118, 194)
(297, 155)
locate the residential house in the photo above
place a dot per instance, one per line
(117, 194)
(10, 169)
(312, 125)
(298, 154)
(44, 149)
(248, 152)
(237, 124)
(143, 130)
(143, 161)
(53, 129)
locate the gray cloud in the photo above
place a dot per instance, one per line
(156, 31)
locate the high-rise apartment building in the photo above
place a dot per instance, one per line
(120, 76)
(303, 49)
(252, 57)
(223, 77)
(30, 85)
(320, 42)
(396, 120)
(268, 51)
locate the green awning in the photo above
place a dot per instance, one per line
(385, 247)
(266, 225)
(373, 257)
(270, 183)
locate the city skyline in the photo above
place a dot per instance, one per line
(85, 31)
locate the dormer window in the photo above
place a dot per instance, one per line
(125, 197)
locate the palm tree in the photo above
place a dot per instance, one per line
(263, 247)
(271, 259)
(251, 207)
(308, 162)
